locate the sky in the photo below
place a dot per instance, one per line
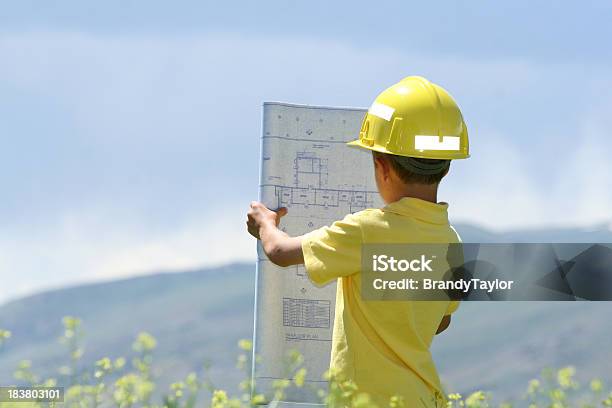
(130, 129)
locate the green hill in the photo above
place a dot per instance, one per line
(196, 316)
(200, 315)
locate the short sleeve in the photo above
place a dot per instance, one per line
(333, 251)
(452, 307)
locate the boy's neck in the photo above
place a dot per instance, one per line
(426, 192)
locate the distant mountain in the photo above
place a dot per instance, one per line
(200, 315)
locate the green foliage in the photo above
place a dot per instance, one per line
(117, 384)
(4, 336)
(72, 339)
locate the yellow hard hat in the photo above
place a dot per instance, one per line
(415, 118)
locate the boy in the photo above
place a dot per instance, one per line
(414, 128)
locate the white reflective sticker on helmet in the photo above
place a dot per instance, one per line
(422, 142)
(381, 110)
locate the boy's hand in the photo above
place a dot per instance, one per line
(281, 249)
(260, 216)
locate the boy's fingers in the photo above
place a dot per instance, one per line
(252, 229)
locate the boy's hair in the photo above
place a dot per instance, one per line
(416, 170)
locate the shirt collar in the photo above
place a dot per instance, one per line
(433, 213)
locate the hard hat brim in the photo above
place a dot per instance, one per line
(380, 149)
(355, 143)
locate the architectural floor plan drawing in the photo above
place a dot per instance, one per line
(307, 167)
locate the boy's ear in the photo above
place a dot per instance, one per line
(383, 166)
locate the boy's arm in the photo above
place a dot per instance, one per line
(279, 247)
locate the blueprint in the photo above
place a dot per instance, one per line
(306, 167)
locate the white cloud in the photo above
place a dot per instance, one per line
(90, 247)
(157, 135)
(203, 241)
(493, 188)
(585, 184)
(503, 187)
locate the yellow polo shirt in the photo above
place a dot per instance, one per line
(383, 346)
